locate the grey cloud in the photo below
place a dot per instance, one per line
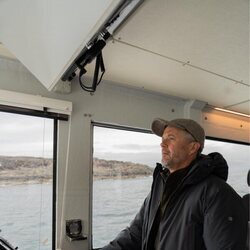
(131, 146)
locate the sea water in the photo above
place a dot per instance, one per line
(115, 204)
(26, 216)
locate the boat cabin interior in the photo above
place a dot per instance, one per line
(98, 69)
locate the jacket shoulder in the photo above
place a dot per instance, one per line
(218, 193)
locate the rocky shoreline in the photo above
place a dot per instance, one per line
(34, 170)
(25, 170)
(104, 169)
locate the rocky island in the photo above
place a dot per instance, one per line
(29, 170)
(24, 170)
(103, 169)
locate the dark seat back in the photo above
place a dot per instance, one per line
(246, 197)
(5, 245)
(246, 200)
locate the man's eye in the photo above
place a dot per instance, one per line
(170, 138)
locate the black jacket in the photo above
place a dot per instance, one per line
(203, 213)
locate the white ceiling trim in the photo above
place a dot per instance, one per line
(34, 102)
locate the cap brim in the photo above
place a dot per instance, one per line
(158, 126)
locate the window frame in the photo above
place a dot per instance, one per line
(111, 126)
(56, 117)
(133, 129)
(227, 140)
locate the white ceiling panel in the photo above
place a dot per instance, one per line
(143, 70)
(213, 36)
(47, 35)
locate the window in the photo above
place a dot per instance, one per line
(123, 166)
(120, 186)
(238, 159)
(26, 171)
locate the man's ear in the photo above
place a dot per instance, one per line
(194, 147)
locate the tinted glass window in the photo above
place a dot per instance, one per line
(123, 166)
(122, 170)
(26, 175)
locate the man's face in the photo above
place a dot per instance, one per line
(175, 147)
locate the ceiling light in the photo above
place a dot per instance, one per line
(232, 112)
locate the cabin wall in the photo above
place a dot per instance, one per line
(113, 104)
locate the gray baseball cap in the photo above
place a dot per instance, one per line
(191, 126)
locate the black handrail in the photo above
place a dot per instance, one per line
(5, 245)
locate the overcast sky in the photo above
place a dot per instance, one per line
(124, 145)
(23, 135)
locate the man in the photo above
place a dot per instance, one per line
(190, 206)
